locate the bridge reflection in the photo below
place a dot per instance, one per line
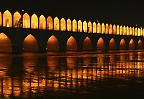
(31, 74)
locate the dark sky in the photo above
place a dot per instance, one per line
(118, 11)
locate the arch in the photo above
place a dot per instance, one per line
(0, 19)
(107, 29)
(124, 30)
(85, 26)
(7, 19)
(16, 19)
(98, 28)
(87, 44)
(128, 30)
(114, 29)
(53, 44)
(139, 31)
(112, 44)
(79, 26)
(5, 43)
(71, 44)
(56, 23)
(62, 24)
(94, 27)
(100, 44)
(89, 27)
(49, 23)
(103, 28)
(121, 30)
(122, 44)
(26, 21)
(68, 25)
(140, 44)
(131, 44)
(34, 21)
(110, 29)
(30, 44)
(135, 31)
(42, 22)
(131, 31)
(118, 30)
(74, 25)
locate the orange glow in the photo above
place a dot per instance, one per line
(135, 31)
(74, 25)
(114, 29)
(16, 19)
(140, 44)
(52, 62)
(30, 43)
(7, 19)
(103, 28)
(71, 62)
(128, 30)
(79, 26)
(112, 44)
(122, 44)
(131, 32)
(107, 29)
(56, 23)
(26, 21)
(34, 21)
(100, 44)
(94, 27)
(110, 29)
(5, 43)
(68, 25)
(87, 44)
(89, 27)
(49, 23)
(118, 30)
(124, 30)
(131, 44)
(62, 24)
(71, 44)
(85, 26)
(0, 19)
(98, 28)
(121, 30)
(42, 22)
(53, 44)
(139, 32)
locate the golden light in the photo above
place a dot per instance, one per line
(118, 30)
(128, 30)
(124, 30)
(16, 19)
(71, 44)
(103, 28)
(121, 30)
(74, 25)
(143, 32)
(62, 24)
(34, 21)
(114, 29)
(107, 29)
(49, 23)
(7, 19)
(89, 27)
(42, 22)
(0, 19)
(139, 32)
(131, 32)
(79, 26)
(85, 26)
(110, 29)
(135, 31)
(94, 27)
(98, 28)
(26, 21)
(69, 25)
(56, 23)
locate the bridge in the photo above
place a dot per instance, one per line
(22, 31)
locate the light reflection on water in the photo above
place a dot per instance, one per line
(27, 74)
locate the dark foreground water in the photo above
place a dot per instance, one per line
(73, 75)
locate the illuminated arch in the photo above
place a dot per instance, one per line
(94, 27)
(85, 26)
(0, 19)
(68, 25)
(5, 43)
(53, 44)
(62, 24)
(140, 44)
(56, 23)
(74, 25)
(107, 29)
(124, 30)
(121, 30)
(89, 27)
(110, 29)
(131, 44)
(118, 30)
(122, 44)
(135, 31)
(49, 23)
(143, 32)
(42, 22)
(87, 44)
(30, 44)
(16, 19)
(139, 32)
(79, 26)
(98, 28)
(71, 44)
(128, 30)
(26, 21)
(103, 28)
(114, 29)
(112, 44)
(131, 32)
(34, 21)
(100, 44)
(7, 19)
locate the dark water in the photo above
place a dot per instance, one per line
(102, 75)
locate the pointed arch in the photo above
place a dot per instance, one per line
(69, 25)
(49, 23)
(56, 23)
(79, 26)
(30, 44)
(5, 43)
(114, 29)
(87, 44)
(85, 26)
(112, 44)
(16, 19)
(71, 44)
(103, 28)
(124, 30)
(131, 31)
(53, 44)
(74, 25)
(107, 29)
(118, 30)
(42, 22)
(7, 19)
(0, 19)
(100, 44)
(140, 44)
(98, 28)
(62, 24)
(110, 29)
(34, 21)
(139, 31)
(26, 21)
(121, 30)
(135, 31)
(122, 44)
(94, 27)
(89, 27)
(131, 44)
